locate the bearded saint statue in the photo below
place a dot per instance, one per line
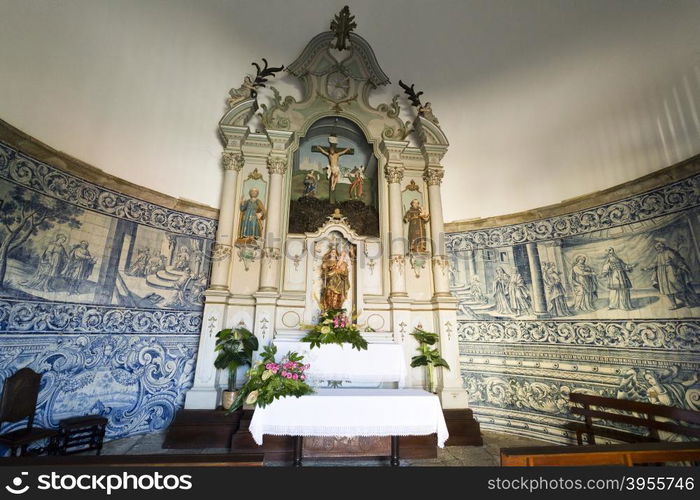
(335, 279)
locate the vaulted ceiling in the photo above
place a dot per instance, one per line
(542, 100)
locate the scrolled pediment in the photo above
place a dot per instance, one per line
(360, 64)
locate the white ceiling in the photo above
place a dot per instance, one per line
(542, 100)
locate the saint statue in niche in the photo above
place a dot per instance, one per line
(333, 154)
(335, 279)
(416, 218)
(253, 214)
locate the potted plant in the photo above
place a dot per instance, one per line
(429, 356)
(235, 347)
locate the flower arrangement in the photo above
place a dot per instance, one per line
(335, 327)
(269, 380)
(428, 357)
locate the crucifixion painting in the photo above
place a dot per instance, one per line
(333, 153)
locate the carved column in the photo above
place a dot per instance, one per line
(221, 252)
(393, 171)
(539, 302)
(433, 177)
(272, 252)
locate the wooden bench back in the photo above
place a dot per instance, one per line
(684, 419)
(616, 454)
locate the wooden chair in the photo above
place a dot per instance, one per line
(18, 403)
(80, 434)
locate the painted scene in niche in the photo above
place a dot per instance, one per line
(52, 250)
(648, 269)
(334, 168)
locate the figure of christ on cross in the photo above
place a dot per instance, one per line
(333, 154)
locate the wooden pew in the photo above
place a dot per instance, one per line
(649, 417)
(609, 454)
(164, 460)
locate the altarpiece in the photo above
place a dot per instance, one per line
(329, 202)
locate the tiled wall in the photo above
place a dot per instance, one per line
(100, 292)
(603, 301)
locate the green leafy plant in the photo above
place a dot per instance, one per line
(335, 327)
(269, 380)
(429, 356)
(235, 347)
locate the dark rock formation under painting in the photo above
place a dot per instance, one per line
(307, 214)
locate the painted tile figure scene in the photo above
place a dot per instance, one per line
(101, 293)
(649, 269)
(600, 301)
(55, 251)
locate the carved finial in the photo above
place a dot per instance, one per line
(424, 110)
(411, 93)
(342, 24)
(262, 75)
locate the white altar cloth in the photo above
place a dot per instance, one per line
(353, 412)
(381, 362)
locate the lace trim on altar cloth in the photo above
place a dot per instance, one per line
(349, 431)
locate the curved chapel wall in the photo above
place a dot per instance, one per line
(535, 325)
(104, 295)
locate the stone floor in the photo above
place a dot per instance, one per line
(468, 456)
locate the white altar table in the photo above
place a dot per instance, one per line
(353, 412)
(381, 362)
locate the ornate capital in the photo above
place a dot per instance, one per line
(433, 176)
(441, 262)
(277, 165)
(393, 173)
(232, 161)
(398, 262)
(220, 252)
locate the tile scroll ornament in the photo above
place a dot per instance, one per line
(137, 382)
(669, 199)
(23, 170)
(18, 316)
(677, 335)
